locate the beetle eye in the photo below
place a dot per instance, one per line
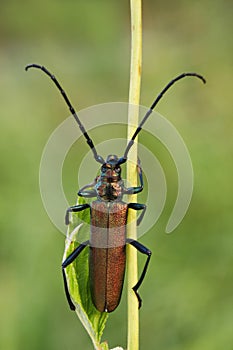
(103, 168)
(118, 169)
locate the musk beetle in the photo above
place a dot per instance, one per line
(109, 214)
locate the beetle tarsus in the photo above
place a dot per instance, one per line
(138, 297)
(71, 304)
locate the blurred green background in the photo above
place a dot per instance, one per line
(188, 292)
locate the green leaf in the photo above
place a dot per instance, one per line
(77, 275)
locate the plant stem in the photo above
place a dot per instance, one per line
(134, 100)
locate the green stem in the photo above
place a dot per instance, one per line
(134, 100)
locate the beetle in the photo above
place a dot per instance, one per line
(109, 213)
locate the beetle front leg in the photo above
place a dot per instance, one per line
(142, 249)
(137, 189)
(66, 263)
(88, 193)
(74, 209)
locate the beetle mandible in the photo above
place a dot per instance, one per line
(109, 214)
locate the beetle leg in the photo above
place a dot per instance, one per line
(74, 209)
(88, 193)
(66, 263)
(138, 206)
(142, 249)
(137, 189)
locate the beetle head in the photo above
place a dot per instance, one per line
(111, 168)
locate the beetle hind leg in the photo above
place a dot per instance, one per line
(142, 249)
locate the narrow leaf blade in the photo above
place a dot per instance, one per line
(77, 275)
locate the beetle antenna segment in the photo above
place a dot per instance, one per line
(71, 108)
(158, 98)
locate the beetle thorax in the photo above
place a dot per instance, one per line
(109, 184)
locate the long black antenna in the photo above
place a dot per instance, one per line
(148, 113)
(72, 110)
